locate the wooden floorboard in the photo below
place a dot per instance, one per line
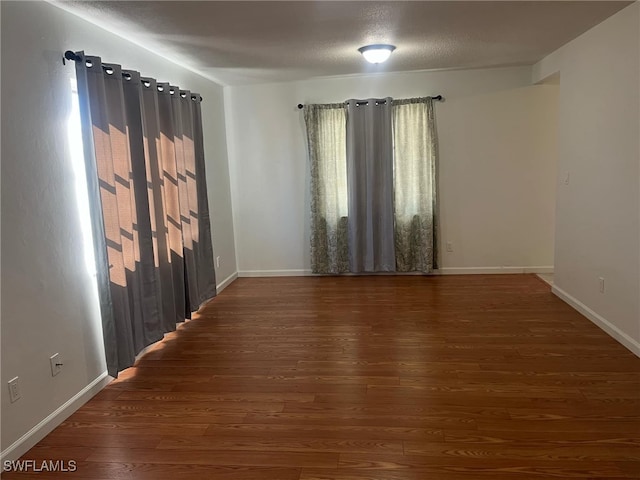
(366, 378)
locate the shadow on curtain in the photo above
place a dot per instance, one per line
(145, 166)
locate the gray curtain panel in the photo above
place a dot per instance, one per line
(415, 158)
(165, 208)
(145, 172)
(370, 186)
(202, 239)
(326, 137)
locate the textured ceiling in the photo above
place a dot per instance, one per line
(248, 42)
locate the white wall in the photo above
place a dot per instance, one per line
(48, 304)
(497, 165)
(597, 221)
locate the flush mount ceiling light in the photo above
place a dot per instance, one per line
(376, 53)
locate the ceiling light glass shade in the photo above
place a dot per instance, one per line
(376, 53)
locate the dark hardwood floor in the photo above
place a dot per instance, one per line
(367, 378)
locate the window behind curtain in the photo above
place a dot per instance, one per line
(415, 196)
(415, 152)
(326, 134)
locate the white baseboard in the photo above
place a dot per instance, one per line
(538, 269)
(274, 273)
(46, 426)
(491, 270)
(601, 322)
(226, 282)
(442, 271)
(546, 278)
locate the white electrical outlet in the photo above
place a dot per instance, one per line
(601, 284)
(218, 261)
(14, 390)
(56, 364)
(449, 246)
(566, 179)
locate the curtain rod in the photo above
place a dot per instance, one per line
(70, 55)
(438, 98)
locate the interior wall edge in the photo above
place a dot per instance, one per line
(226, 282)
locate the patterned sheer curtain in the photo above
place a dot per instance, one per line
(415, 153)
(326, 136)
(145, 175)
(358, 181)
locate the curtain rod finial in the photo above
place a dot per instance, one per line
(69, 55)
(300, 106)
